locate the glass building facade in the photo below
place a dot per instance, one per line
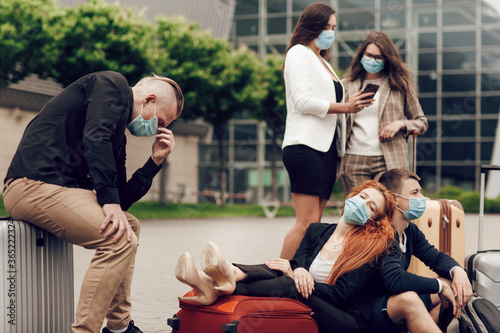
(451, 46)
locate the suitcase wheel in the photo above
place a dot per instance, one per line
(174, 322)
(231, 327)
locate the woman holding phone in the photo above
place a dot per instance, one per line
(314, 137)
(377, 137)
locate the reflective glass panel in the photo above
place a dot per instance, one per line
(245, 132)
(343, 4)
(490, 104)
(460, 82)
(426, 151)
(246, 7)
(360, 21)
(489, 127)
(490, 59)
(247, 27)
(245, 152)
(486, 151)
(276, 6)
(459, 60)
(458, 151)
(428, 105)
(459, 38)
(393, 4)
(490, 82)
(344, 62)
(489, 14)
(458, 128)
(276, 48)
(427, 40)
(416, 2)
(276, 26)
(349, 46)
(427, 61)
(300, 5)
(458, 105)
(428, 178)
(427, 83)
(461, 176)
(490, 37)
(431, 130)
(459, 15)
(427, 19)
(392, 19)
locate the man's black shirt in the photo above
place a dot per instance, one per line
(78, 140)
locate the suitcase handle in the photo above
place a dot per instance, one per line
(414, 134)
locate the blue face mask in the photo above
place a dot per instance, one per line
(371, 65)
(356, 211)
(325, 39)
(141, 127)
(416, 207)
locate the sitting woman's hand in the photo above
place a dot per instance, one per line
(303, 281)
(281, 265)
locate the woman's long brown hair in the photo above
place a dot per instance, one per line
(400, 78)
(311, 23)
(364, 244)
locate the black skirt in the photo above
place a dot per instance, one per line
(311, 172)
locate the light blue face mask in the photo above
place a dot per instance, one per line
(325, 39)
(141, 127)
(371, 65)
(416, 207)
(356, 211)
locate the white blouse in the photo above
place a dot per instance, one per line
(320, 268)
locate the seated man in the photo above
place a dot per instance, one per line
(412, 294)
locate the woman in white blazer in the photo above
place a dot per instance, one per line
(314, 131)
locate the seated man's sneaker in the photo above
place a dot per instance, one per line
(130, 329)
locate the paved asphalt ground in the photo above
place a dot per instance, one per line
(245, 240)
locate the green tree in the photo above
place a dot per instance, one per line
(219, 82)
(273, 108)
(26, 37)
(99, 36)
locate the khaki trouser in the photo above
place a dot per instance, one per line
(358, 168)
(74, 215)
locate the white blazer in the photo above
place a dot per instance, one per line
(309, 92)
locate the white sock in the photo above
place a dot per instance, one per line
(121, 330)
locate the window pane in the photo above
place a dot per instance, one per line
(428, 178)
(431, 130)
(276, 48)
(247, 27)
(490, 104)
(459, 15)
(392, 19)
(489, 14)
(458, 128)
(459, 105)
(459, 60)
(427, 19)
(490, 37)
(276, 6)
(490, 59)
(458, 151)
(489, 127)
(349, 46)
(245, 152)
(427, 40)
(459, 38)
(343, 4)
(428, 105)
(423, 1)
(490, 82)
(245, 132)
(276, 26)
(427, 61)
(461, 176)
(300, 5)
(427, 83)
(359, 21)
(295, 20)
(486, 151)
(344, 62)
(246, 7)
(463, 82)
(426, 151)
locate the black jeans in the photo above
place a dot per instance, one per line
(265, 282)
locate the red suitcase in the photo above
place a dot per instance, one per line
(244, 314)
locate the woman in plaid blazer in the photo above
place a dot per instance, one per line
(377, 137)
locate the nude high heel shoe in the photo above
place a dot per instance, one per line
(215, 266)
(185, 271)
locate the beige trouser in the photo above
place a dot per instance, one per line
(358, 168)
(74, 215)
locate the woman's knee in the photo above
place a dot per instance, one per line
(135, 224)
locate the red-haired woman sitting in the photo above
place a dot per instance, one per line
(334, 271)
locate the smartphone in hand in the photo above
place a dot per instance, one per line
(370, 88)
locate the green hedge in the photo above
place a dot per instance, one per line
(469, 199)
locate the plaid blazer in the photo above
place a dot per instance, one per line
(393, 105)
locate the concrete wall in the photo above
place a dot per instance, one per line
(183, 162)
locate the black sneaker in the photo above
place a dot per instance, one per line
(130, 329)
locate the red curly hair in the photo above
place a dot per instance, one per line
(364, 244)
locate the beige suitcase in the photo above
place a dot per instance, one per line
(443, 225)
